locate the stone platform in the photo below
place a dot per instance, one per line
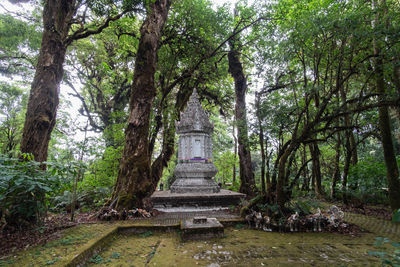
(207, 229)
(184, 202)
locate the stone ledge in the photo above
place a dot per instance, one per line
(91, 248)
(223, 199)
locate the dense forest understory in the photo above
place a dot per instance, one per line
(304, 97)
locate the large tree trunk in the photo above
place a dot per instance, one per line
(247, 185)
(316, 169)
(134, 181)
(306, 180)
(273, 184)
(336, 171)
(392, 173)
(261, 141)
(44, 96)
(168, 149)
(346, 168)
(235, 155)
(281, 194)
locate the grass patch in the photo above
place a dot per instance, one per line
(146, 234)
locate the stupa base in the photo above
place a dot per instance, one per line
(166, 200)
(194, 185)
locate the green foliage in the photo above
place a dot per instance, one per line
(389, 255)
(19, 43)
(104, 170)
(396, 216)
(51, 262)
(239, 226)
(115, 255)
(304, 207)
(87, 199)
(146, 234)
(224, 163)
(25, 189)
(12, 103)
(96, 259)
(367, 179)
(168, 174)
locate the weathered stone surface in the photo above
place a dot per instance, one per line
(194, 118)
(200, 219)
(166, 200)
(195, 170)
(194, 187)
(212, 228)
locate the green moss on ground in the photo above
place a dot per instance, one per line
(240, 248)
(58, 252)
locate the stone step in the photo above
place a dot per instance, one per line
(222, 199)
(206, 229)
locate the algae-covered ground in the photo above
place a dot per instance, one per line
(58, 252)
(239, 247)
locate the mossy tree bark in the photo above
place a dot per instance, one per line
(281, 193)
(316, 169)
(247, 185)
(58, 16)
(167, 151)
(261, 142)
(134, 181)
(44, 95)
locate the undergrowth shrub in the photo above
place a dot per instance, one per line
(396, 216)
(86, 199)
(24, 190)
(366, 181)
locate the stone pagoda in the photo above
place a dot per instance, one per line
(194, 187)
(195, 170)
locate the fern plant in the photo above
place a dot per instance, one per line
(24, 188)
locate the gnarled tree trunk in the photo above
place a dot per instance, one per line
(247, 185)
(316, 169)
(44, 96)
(168, 149)
(134, 181)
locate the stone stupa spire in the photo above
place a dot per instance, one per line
(195, 169)
(194, 118)
(194, 188)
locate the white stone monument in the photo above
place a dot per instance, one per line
(195, 169)
(194, 188)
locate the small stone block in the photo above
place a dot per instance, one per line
(200, 231)
(200, 219)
